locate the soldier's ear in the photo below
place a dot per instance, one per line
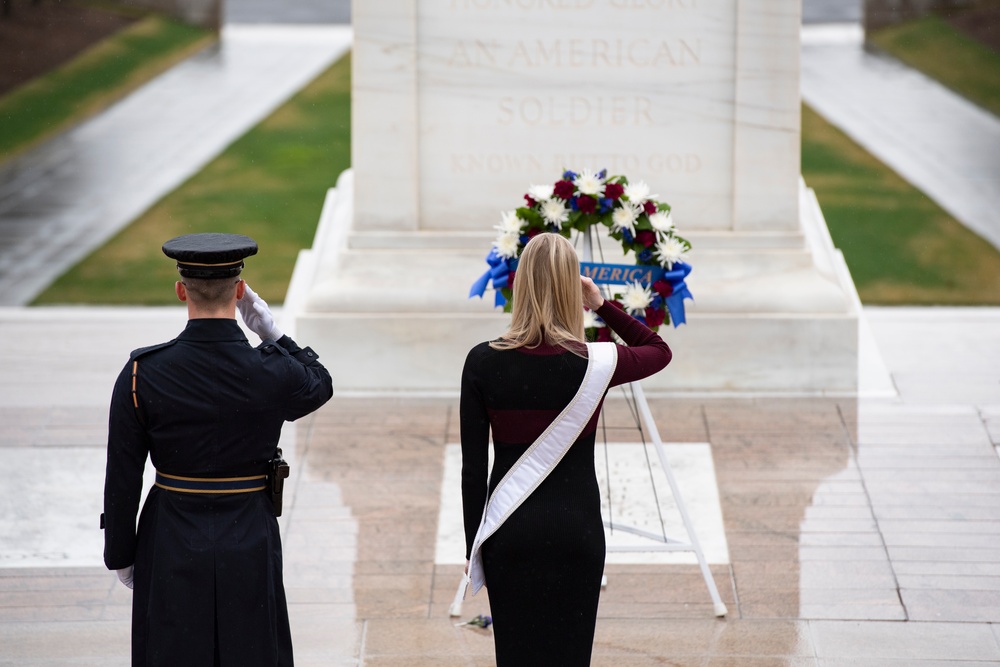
(181, 291)
(241, 288)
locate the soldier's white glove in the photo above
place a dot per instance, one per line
(257, 315)
(125, 575)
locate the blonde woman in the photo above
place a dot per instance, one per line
(538, 541)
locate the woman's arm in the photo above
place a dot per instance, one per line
(646, 353)
(475, 430)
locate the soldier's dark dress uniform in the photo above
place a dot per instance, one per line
(207, 581)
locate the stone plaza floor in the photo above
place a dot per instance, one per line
(860, 531)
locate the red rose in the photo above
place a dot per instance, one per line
(531, 202)
(563, 189)
(510, 279)
(649, 207)
(663, 288)
(646, 237)
(533, 232)
(614, 190)
(654, 317)
(604, 335)
(586, 204)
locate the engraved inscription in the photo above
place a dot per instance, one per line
(522, 4)
(576, 111)
(673, 164)
(572, 5)
(618, 163)
(578, 53)
(654, 4)
(474, 54)
(536, 164)
(495, 163)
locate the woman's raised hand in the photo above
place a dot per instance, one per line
(591, 293)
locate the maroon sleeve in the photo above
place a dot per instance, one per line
(646, 353)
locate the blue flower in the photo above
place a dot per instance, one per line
(602, 174)
(553, 228)
(627, 236)
(606, 205)
(572, 204)
(523, 238)
(645, 256)
(569, 175)
(657, 302)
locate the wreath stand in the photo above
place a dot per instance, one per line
(658, 543)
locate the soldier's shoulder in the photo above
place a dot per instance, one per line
(269, 347)
(143, 351)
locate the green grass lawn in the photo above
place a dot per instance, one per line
(937, 49)
(93, 80)
(900, 246)
(269, 185)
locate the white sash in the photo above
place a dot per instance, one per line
(545, 453)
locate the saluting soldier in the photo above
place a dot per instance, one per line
(207, 407)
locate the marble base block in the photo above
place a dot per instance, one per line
(389, 311)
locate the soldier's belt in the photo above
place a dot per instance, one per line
(211, 484)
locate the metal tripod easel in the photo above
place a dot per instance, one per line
(658, 543)
(661, 542)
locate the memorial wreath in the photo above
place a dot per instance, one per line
(652, 290)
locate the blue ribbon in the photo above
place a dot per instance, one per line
(675, 302)
(497, 273)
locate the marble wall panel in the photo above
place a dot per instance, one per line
(511, 92)
(461, 104)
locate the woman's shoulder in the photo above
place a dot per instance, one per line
(481, 351)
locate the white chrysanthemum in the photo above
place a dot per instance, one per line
(591, 320)
(636, 298)
(662, 222)
(670, 250)
(540, 193)
(509, 223)
(507, 245)
(554, 211)
(588, 183)
(638, 192)
(624, 217)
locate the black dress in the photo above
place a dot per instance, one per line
(544, 565)
(208, 581)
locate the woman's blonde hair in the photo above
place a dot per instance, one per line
(547, 303)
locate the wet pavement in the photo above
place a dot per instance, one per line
(287, 11)
(944, 145)
(859, 531)
(60, 202)
(831, 11)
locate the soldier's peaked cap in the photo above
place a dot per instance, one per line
(210, 255)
